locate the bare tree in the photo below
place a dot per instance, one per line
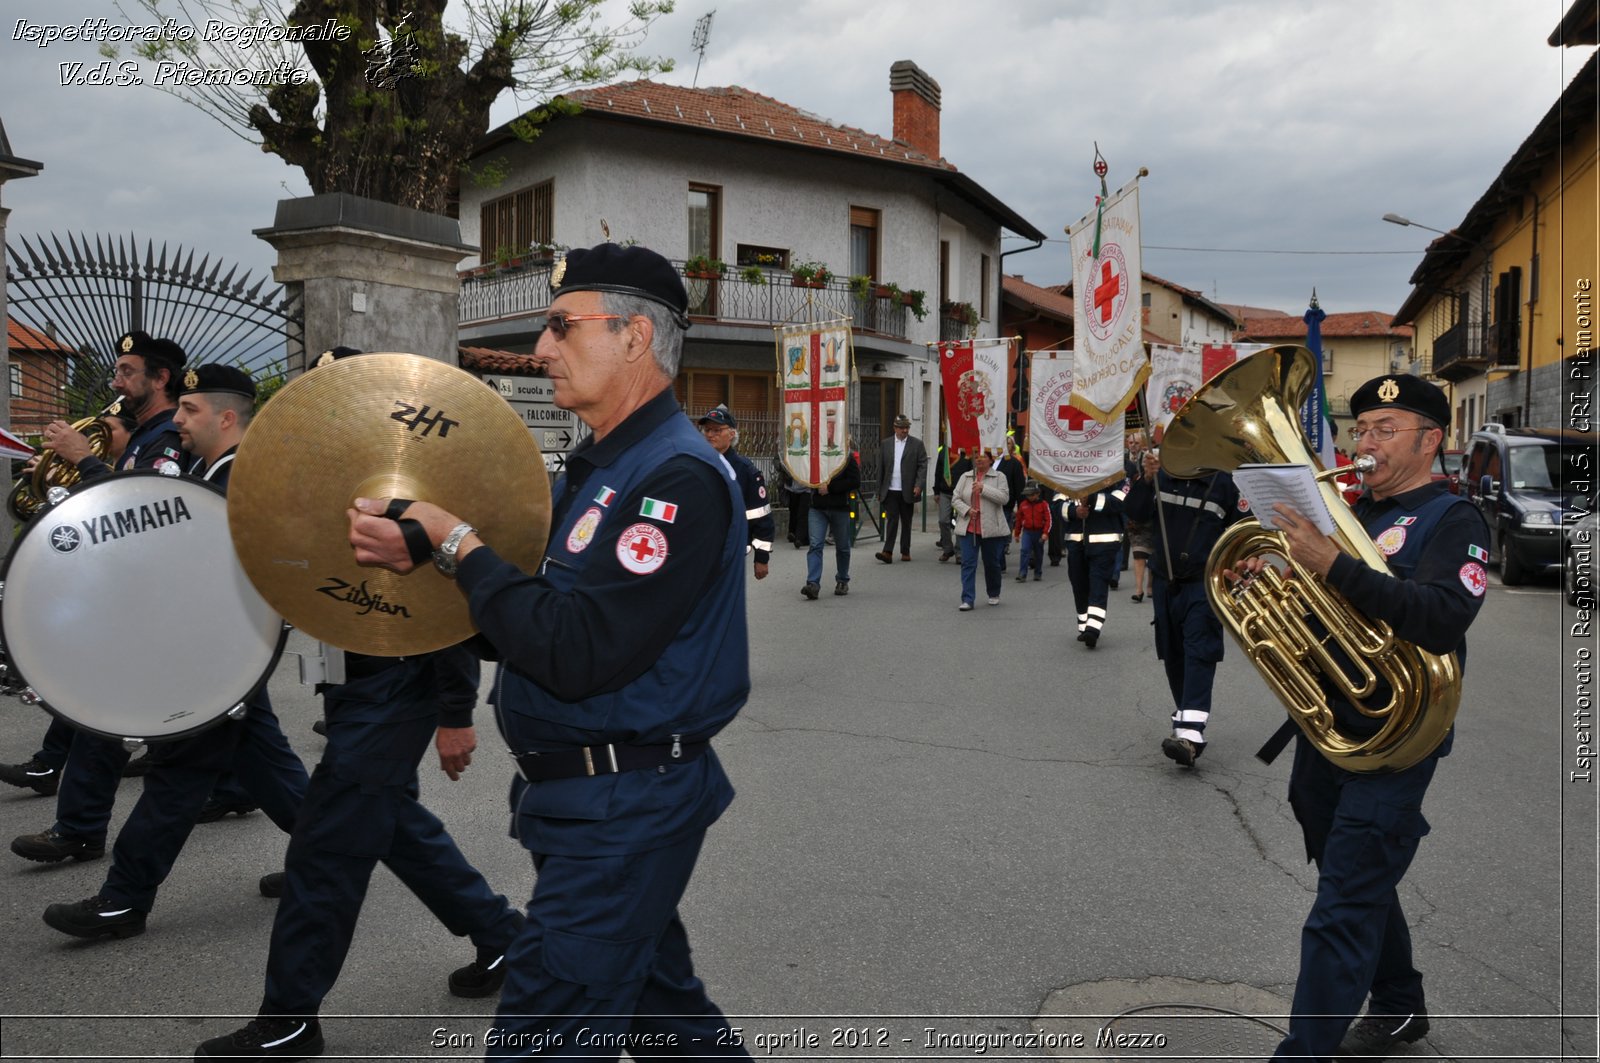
(385, 98)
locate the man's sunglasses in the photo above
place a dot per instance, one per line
(559, 322)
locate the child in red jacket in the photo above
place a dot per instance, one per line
(1031, 525)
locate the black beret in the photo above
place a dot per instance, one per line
(719, 414)
(329, 357)
(215, 377)
(628, 270)
(1402, 391)
(157, 354)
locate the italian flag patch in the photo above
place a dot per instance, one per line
(1478, 553)
(604, 497)
(1405, 521)
(665, 512)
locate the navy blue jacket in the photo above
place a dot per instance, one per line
(1196, 512)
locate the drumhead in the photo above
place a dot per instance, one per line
(126, 610)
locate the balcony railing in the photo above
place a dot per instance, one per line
(1460, 351)
(497, 294)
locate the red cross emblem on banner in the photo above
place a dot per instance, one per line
(1106, 292)
(1072, 417)
(814, 396)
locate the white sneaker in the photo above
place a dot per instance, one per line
(966, 607)
(994, 601)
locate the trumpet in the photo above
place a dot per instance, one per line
(30, 493)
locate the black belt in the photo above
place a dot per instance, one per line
(604, 760)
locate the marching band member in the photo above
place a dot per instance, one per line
(1094, 540)
(621, 658)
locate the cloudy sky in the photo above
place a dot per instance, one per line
(1277, 132)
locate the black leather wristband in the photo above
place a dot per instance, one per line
(418, 545)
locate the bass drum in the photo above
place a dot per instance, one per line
(125, 610)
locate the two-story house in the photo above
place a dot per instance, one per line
(1503, 300)
(1179, 316)
(749, 194)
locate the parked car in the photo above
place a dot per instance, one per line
(1448, 469)
(1528, 483)
(1577, 560)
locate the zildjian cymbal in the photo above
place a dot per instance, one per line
(378, 426)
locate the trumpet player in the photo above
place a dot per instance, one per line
(1362, 829)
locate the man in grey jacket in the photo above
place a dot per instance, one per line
(902, 468)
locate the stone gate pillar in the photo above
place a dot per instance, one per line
(371, 275)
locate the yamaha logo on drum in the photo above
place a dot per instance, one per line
(64, 539)
(133, 520)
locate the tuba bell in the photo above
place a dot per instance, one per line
(28, 494)
(1289, 627)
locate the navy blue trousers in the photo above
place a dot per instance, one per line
(361, 807)
(1091, 568)
(89, 781)
(604, 964)
(1189, 643)
(181, 777)
(1362, 830)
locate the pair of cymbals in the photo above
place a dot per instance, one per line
(380, 426)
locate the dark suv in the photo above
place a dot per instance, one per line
(1527, 483)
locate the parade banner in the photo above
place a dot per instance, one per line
(815, 366)
(973, 375)
(1175, 374)
(1067, 449)
(1314, 411)
(1107, 319)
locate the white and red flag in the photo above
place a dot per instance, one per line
(815, 367)
(14, 447)
(1175, 375)
(1109, 364)
(973, 375)
(1067, 448)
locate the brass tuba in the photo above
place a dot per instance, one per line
(28, 494)
(1248, 413)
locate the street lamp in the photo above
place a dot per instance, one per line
(1395, 219)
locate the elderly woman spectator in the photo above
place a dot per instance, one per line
(979, 501)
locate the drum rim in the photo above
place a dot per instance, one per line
(211, 721)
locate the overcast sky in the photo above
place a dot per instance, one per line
(1268, 126)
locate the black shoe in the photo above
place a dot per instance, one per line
(810, 591)
(1114, 584)
(1091, 637)
(95, 918)
(1022, 577)
(267, 1037)
(480, 978)
(1083, 635)
(271, 885)
(841, 588)
(1182, 750)
(321, 728)
(1137, 597)
(885, 556)
(49, 847)
(1373, 1036)
(947, 555)
(215, 809)
(1055, 562)
(34, 775)
(1037, 575)
(136, 767)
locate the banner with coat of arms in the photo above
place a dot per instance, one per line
(973, 378)
(1175, 375)
(1067, 448)
(1107, 318)
(816, 363)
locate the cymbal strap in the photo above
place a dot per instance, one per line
(417, 543)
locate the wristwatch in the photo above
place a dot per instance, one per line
(444, 558)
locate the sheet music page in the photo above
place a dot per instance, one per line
(1263, 486)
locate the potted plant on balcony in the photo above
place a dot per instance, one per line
(507, 260)
(861, 285)
(753, 275)
(917, 300)
(962, 312)
(888, 290)
(703, 267)
(810, 275)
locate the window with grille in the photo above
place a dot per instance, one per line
(513, 224)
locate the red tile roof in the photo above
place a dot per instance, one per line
(1051, 300)
(736, 110)
(20, 337)
(1356, 324)
(489, 360)
(1240, 311)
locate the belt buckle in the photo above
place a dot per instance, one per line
(588, 759)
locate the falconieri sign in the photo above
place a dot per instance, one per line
(815, 367)
(1109, 364)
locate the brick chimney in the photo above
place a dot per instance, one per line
(916, 107)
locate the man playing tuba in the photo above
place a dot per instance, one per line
(1362, 828)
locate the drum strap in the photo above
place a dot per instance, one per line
(417, 544)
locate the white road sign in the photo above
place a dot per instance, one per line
(554, 429)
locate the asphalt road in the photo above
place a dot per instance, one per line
(950, 827)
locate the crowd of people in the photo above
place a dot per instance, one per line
(626, 653)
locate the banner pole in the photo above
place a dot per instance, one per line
(1155, 485)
